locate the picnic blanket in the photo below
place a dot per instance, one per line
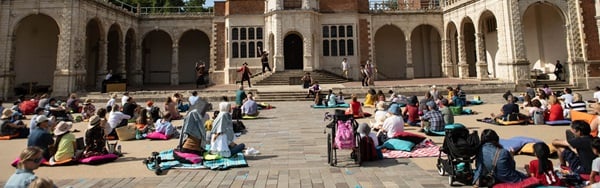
(168, 161)
(427, 148)
(345, 105)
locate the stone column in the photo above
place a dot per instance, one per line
(520, 67)
(305, 4)
(175, 64)
(137, 73)
(103, 62)
(410, 71)
(308, 57)
(463, 67)
(64, 81)
(122, 59)
(278, 64)
(447, 66)
(482, 70)
(7, 73)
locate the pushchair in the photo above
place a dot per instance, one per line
(461, 148)
(338, 120)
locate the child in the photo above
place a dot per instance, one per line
(595, 162)
(165, 127)
(542, 168)
(340, 98)
(88, 109)
(30, 159)
(111, 102)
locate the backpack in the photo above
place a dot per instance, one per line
(538, 118)
(368, 151)
(239, 127)
(236, 113)
(344, 138)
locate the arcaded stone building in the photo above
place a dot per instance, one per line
(70, 45)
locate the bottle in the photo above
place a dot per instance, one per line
(119, 148)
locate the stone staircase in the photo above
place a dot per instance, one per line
(557, 85)
(283, 96)
(292, 77)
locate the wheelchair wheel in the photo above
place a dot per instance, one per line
(329, 150)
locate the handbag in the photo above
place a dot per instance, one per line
(126, 132)
(488, 180)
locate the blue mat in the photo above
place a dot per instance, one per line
(475, 102)
(558, 122)
(168, 162)
(345, 105)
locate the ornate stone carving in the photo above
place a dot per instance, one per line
(519, 45)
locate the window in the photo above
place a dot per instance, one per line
(251, 34)
(245, 40)
(252, 50)
(235, 50)
(338, 40)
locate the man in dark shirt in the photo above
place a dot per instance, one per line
(41, 136)
(576, 151)
(509, 108)
(129, 107)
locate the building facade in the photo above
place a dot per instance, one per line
(70, 45)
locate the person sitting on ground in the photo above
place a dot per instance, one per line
(30, 160)
(536, 114)
(171, 108)
(56, 110)
(240, 96)
(542, 168)
(423, 102)
(95, 142)
(379, 95)
(505, 171)
(41, 137)
(380, 101)
(506, 94)
(370, 98)
(567, 96)
(411, 112)
(65, 142)
(340, 98)
(595, 163)
(314, 89)
(543, 98)
(33, 123)
(380, 115)
(462, 95)
(194, 98)
(555, 111)
(165, 127)
(530, 91)
(8, 128)
(447, 115)
(195, 136)
(576, 150)
(181, 106)
(450, 91)
(116, 119)
(153, 111)
(331, 99)
(392, 125)
(43, 101)
(143, 123)
(42, 183)
(392, 95)
(547, 90)
(306, 80)
(432, 120)
(223, 127)
(208, 123)
(365, 131)
(88, 109)
(355, 108)
(130, 107)
(111, 102)
(577, 105)
(509, 111)
(73, 103)
(124, 98)
(250, 107)
(319, 101)
(457, 100)
(526, 102)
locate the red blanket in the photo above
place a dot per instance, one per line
(425, 149)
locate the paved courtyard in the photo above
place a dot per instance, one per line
(292, 154)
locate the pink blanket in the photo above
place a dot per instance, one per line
(425, 149)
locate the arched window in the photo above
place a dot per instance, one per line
(325, 31)
(234, 34)
(245, 40)
(334, 48)
(325, 48)
(251, 33)
(342, 47)
(341, 31)
(251, 49)
(259, 33)
(333, 31)
(235, 51)
(243, 34)
(338, 40)
(349, 31)
(243, 50)
(350, 44)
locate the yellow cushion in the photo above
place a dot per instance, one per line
(527, 149)
(518, 122)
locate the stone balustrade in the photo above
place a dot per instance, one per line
(390, 6)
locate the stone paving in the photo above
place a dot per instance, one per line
(292, 143)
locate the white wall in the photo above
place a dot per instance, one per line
(544, 35)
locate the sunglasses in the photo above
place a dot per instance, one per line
(36, 160)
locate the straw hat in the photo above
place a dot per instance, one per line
(41, 118)
(63, 127)
(6, 113)
(94, 121)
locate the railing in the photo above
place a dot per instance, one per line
(403, 5)
(195, 10)
(124, 5)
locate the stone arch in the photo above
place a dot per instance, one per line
(426, 51)
(194, 47)
(157, 48)
(114, 47)
(488, 27)
(130, 57)
(453, 58)
(468, 38)
(35, 51)
(293, 50)
(390, 50)
(544, 35)
(94, 36)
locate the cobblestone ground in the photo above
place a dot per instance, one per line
(293, 149)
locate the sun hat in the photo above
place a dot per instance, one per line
(62, 127)
(433, 86)
(394, 109)
(40, 119)
(6, 113)
(88, 101)
(94, 121)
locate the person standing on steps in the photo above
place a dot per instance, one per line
(345, 68)
(200, 69)
(558, 69)
(264, 58)
(246, 74)
(370, 72)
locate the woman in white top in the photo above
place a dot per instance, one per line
(115, 119)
